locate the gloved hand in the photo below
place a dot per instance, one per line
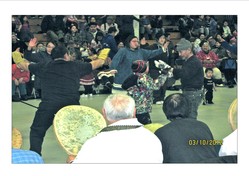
(165, 68)
(162, 65)
(104, 53)
(17, 57)
(170, 75)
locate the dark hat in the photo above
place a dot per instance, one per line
(159, 34)
(58, 52)
(183, 44)
(130, 37)
(139, 66)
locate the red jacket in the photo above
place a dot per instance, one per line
(18, 73)
(208, 60)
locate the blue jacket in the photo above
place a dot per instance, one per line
(231, 48)
(110, 42)
(122, 61)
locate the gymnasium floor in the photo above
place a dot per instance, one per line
(215, 116)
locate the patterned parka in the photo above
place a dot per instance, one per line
(140, 86)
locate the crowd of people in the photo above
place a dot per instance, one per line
(84, 51)
(84, 36)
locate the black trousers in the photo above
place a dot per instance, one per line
(43, 120)
(88, 89)
(230, 75)
(209, 96)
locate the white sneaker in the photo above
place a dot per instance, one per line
(90, 95)
(220, 85)
(83, 96)
(159, 102)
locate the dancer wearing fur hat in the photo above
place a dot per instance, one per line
(140, 86)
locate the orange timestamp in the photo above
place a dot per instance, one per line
(194, 142)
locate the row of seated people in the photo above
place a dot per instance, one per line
(192, 141)
(56, 27)
(149, 25)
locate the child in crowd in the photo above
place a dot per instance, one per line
(140, 86)
(88, 80)
(19, 77)
(209, 86)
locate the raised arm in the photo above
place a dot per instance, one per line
(32, 57)
(102, 58)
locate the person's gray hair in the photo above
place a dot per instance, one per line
(119, 106)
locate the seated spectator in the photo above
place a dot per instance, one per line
(229, 68)
(120, 45)
(70, 20)
(196, 45)
(185, 25)
(226, 30)
(73, 35)
(209, 60)
(145, 27)
(220, 52)
(20, 156)
(226, 45)
(18, 45)
(110, 42)
(16, 25)
(19, 79)
(210, 19)
(97, 43)
(124, 140)
(202, 37)
(199, 26)
(182, 138)
(127, 28)
(82, 23)
(25, 33)
(110, 22)
(211, 41)
(36, 52)
(90, 34)
(230, 144)
(228, 151)
(53, 26)
(156, 24)
(43, 55)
